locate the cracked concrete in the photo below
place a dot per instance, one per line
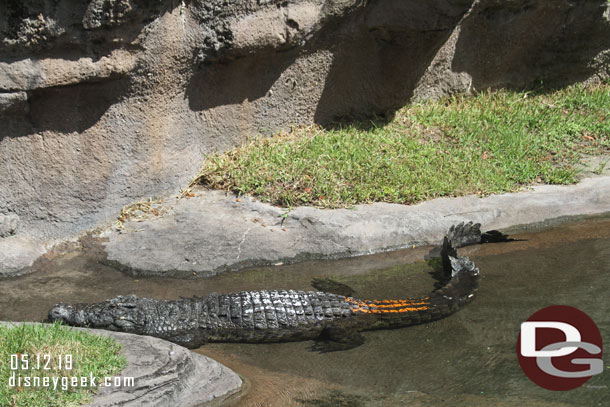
(243, 239)
(214, 232)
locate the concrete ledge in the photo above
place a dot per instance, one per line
(17, 254)
(214, 232)
(165, 375)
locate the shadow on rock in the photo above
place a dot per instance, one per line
(384, 51)
(520, 44)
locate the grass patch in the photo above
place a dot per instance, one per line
(90, 354)
(492, 142)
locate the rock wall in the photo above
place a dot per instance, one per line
(103, 102)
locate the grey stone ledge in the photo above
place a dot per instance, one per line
(164, 374)
(213, 232)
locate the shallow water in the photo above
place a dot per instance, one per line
(467, 359)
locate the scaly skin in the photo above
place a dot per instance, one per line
(276, 316)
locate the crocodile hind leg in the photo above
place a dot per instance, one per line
(494, 236)
(330, 286)
(337, 338)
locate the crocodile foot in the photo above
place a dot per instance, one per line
(335, 339)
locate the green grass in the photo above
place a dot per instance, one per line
(91, 354)
(492, 142)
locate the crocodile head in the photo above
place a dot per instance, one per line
(122, 313)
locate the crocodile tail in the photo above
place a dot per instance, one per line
(463, 283)
(460, 235)
(461, 273)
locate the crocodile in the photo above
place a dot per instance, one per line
(334, 318)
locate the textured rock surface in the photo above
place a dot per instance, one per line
(103, 102)
(212, 233)
(8, 224)
(165, 374)
(17, 254)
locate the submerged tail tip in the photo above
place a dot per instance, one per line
(464, 280)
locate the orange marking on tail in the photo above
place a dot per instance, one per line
(418, 301)
(397, 306)
(385, 311)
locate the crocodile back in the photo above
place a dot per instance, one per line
(270, 316)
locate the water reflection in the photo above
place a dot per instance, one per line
(467, 359)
